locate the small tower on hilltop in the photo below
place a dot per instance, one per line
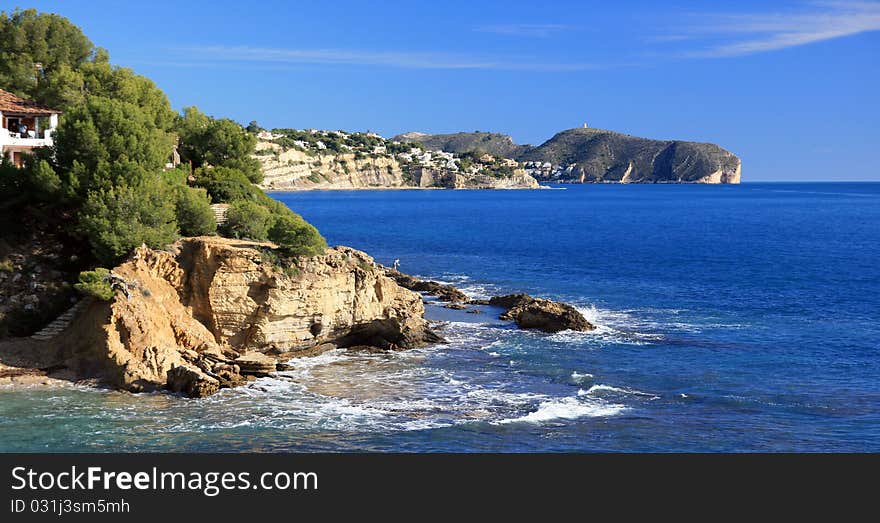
(586, 126)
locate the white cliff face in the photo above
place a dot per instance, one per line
(295, 170)
(722, 176)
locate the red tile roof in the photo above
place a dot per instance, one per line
(9, 103)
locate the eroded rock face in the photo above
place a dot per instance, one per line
(536, 313)
(193, 313)
(248, 303)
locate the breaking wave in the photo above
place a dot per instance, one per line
(566, 409)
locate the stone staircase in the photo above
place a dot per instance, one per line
(59, 324)
(220, 210)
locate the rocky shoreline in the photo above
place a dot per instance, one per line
(212, 313)
(526, 311)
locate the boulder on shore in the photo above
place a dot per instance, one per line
(191, 382)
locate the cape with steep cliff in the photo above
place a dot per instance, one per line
(588, 155)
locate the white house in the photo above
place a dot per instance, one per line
(24, 126)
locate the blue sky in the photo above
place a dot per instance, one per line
(788, 86)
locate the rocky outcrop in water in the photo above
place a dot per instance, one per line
(212, 312)
(443, 292)
(536, 313)
(527, 311)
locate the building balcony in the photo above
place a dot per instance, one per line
(9, 138)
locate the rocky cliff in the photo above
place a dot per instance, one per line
(587, 155)
(211, 311)
(296, 169)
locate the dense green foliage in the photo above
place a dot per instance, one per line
(107, 171)
(35, 182)
(122, 217)
(103, 131)
(39, 54)
(205, 141)
(225, 184)
(295, 236)
(95, 283)
(194, 214)
(247, 219)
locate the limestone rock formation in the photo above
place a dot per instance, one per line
(296, 170)
(293, 169)
(198, 317)
(256, 364)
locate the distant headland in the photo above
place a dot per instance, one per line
(315, 159)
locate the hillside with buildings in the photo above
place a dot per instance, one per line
(294, 159)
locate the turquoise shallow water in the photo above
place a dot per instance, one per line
(731, 318)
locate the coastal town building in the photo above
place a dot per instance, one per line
(24, 126)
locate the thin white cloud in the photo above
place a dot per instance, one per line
(524, 30)
(745, 34)
(397, 59)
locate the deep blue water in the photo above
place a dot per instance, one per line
(731, 318)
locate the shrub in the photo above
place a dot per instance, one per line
(194, 214)
(247, 219)
(295, 236)
(225, 184)
(220, 142)
(36, 181)
(44, 183)
(96, 283)
(118, 219)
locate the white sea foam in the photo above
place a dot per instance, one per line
(567, 409)
(579, 377)
(599, 388)
(612, 327)
(411, 390)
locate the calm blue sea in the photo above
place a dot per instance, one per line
(731, 318)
